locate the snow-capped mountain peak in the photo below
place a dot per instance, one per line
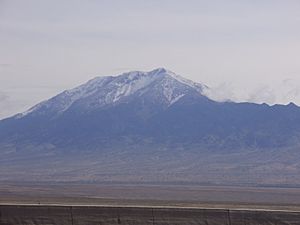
(108, 90)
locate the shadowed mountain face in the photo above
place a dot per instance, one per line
(139, 121)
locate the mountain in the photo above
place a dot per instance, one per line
(151, 127)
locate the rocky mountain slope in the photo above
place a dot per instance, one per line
(151, 127)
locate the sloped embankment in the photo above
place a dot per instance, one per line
(83, 215)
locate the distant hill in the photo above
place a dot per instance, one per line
(152, 127)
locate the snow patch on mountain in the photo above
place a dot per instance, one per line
(107, 90)
(136, 81)
(176, 99)
(197, 86)
(34, 108)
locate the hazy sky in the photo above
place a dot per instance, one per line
(244, 50)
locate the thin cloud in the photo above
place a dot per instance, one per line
(284, 92)
(5, 64)
(263, 94)
(222, 92)
(3, 97)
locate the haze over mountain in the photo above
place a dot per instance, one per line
(151, 127)
(244, 51)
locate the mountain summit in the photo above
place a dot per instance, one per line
(160, 85)
(157, 105)
(144, 125)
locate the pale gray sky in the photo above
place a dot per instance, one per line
(244, 50)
